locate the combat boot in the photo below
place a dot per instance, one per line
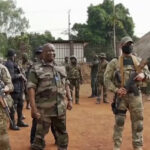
(22, 124)
(14, 127)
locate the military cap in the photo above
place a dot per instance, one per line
(11, 52)
(102, 55)
(126, 39)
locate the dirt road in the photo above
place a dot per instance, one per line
(90, 127)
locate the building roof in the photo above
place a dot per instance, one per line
(142, 46)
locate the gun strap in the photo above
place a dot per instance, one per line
(121, 66)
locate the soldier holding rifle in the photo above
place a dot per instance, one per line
(127, 93)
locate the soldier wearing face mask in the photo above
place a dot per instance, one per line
(128, 100)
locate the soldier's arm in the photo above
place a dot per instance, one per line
(6, 78)
(109, 74)
(32, 85)
(68, 95)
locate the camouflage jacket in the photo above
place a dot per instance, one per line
(109, 76)
(6, 79)
(74, 72)
(49, 83)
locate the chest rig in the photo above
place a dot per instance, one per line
(124, 62)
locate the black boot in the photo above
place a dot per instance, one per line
(22, 124)
(13, 125)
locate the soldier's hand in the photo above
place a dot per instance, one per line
(6, 89)
(139, 77)
(69, 105)
(35, 113)
(121, 92)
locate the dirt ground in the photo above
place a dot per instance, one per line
(90, 127)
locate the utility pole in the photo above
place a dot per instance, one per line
(69, 24)
(114, 28)
(69, 37)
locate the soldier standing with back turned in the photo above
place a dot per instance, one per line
(126, 100)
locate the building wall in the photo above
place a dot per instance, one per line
(63, 50)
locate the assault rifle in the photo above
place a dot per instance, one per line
(130, 86)
(4, 102)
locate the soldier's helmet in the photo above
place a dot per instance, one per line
(125, 40)
(73, 57)
(11, 53)
(102, 55)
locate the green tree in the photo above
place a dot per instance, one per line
(12, 20)
(98, 30)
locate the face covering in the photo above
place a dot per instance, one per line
(127, 49)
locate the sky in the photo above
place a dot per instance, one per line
(52, 15)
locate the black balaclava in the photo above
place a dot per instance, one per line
(127, 49)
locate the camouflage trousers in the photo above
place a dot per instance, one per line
(135, 106)
(4, 140)
(75, 83)
(101, 87)
(43, 125)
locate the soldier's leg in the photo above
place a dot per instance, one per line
(71, 88)
(19, 111)
(42, 129)
(119, 123)
(99, 93)
(104, 93)
(62, 138)
(4, 140)
(118, 128)
(77, 89)
(12, 113)
(136, 113)
(54, 132)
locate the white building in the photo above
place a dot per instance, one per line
(67, 48)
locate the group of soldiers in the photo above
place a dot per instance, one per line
(48, 84)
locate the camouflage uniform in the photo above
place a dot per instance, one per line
(49, 84)
(4, 141)
(128, 102)
(75, 77)
(100, 79)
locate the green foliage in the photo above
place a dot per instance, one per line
(29, 42)
(98, 30)
(12, 20)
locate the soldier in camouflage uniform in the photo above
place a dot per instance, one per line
(75, 77)
(100, 78)
(48, 87)
(126, 64)
(6, 78)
